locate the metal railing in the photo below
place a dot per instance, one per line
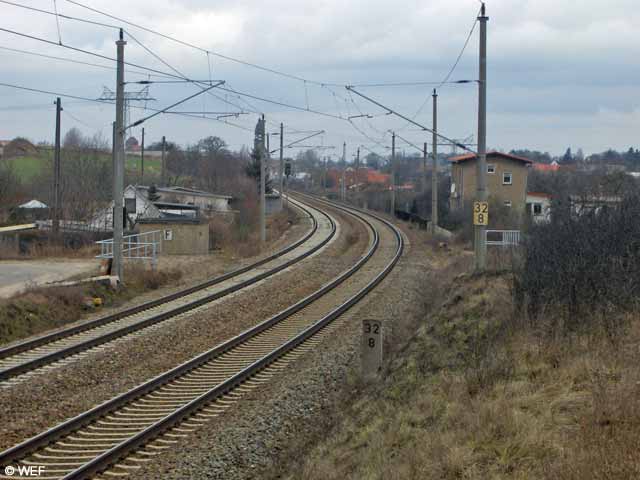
(139, 246)
(503, 238)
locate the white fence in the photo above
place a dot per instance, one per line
(503, 238)
(140, 246)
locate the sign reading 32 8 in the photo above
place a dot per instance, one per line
(481, 213)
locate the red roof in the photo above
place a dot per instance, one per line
(546, 167)
(471, 156)
(538, 194)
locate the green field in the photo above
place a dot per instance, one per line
(26, 168)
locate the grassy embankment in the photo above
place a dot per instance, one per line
(29, 167)
(41, 309)
(481, 391)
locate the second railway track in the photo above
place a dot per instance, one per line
(114, 439)
(25, 358)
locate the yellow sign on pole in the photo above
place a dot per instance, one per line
(481, 213)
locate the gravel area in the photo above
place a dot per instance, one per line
(69, 390)
(262, 435)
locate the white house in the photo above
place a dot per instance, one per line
(207, 202)
(538, 206)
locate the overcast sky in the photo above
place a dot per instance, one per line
(561, 73)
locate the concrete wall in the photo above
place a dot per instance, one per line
(464, 175)
(187, 238)
(272, 205)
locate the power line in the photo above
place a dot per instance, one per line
(70, 60)
(427, 129)
(282, 104)
(104, 102)
(87, 52)
(451, 70)
(56, 14)
(210, 52)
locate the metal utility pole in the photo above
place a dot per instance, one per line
(55, 219)
(344, 170)
(434, 173)
(480, 243)
(393, 173)
(142, 159)
(118, 165)
(261, 151)
(281, 164)
(163, 176)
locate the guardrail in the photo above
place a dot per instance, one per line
(503, 238)
(139, 246)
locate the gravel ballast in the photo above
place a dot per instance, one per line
(270, 427)
(66, 391)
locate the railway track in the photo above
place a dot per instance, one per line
(114, 439)
(22, 360)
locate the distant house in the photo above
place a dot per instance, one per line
(539, 207)
(206, 201)
(583, 205)
(546, 167)
(132, 144)
(169, 202)
(506, 179)
(18, 147)
(3, 144)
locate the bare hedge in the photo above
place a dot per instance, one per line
(581, 267)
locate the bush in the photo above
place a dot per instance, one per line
(582, 267)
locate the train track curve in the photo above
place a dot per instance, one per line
(118, 436)
(19, 361)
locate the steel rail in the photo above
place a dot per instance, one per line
(119, 451)
(85, 345)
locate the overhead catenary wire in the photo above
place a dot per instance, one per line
(202, 49)
(107, 102)
(448, 75)
(79, 62)
(66, 17)
(87, 52)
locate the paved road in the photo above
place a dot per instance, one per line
(16, 276)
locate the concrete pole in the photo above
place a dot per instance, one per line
(324, 175)
(263, 165)
(55, 219)
(393, 173)
(118, 174)
(424, 168)
(163, 176)
(480, 240)
(434, 173)
(344, 171)
(142, 160)
(281, 164)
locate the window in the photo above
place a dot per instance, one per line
(507, 178)
(507, 203)
(537, 209)
(491, 168)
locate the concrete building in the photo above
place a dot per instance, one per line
(180, 236)
(206, 201)
(506, 179)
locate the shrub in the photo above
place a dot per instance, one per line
(582, 267)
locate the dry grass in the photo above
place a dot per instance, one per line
(479, 394)
(46, 250)
(43, 308)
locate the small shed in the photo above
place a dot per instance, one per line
(180, 235)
